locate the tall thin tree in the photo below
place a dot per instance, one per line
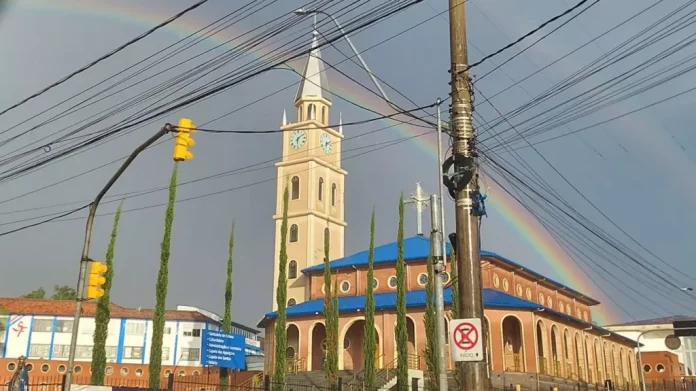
(429, 320)
(103, 315)
(369, 371)
(281, 335)
(401, 327)
(227, 318)
(455, 304)
(162, 284)
(331, 315)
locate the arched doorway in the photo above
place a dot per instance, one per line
(555, 356)
(571, 372)
(589, 359)
(542, 359)
(353, 346)
(598, 362)
(318, 346)
(513, 346)
(292, 350)
(579, 357)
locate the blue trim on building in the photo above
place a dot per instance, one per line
(121, 338)
(53, 337)
(7, 336)
(31, 327)
(176, 342)
(142, 354)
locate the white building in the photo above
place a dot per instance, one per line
(41, 329)
(655, 335)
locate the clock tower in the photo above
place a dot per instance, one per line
(311, 171)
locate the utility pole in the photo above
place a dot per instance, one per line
(474, 375)
(420, 200)
(436, 248)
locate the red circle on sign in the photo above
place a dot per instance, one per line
(465, 336)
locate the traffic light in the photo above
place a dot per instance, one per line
(95, 280)
(183, 140)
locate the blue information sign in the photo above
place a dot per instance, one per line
(223, 350)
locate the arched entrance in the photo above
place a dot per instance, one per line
(579, 357)
(318, 346)
(542, 360)
(555, 356)
(571, 372)
(513, 346)
(589, 359)
(292, 350)
(353, 346)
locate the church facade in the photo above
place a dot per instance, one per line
(533, 324)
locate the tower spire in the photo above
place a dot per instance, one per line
(314, 83)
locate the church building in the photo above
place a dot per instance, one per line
(533, 324)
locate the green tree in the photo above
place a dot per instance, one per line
(35, 294)
(103, 315)
(369, 371)
(331, 321)
(281, 340)
(227, 319)
(455, 304)
(3, 312)
(430, 321)
(401, 331)
(64, 292)
(161, 289)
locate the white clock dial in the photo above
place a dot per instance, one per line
(298, 139)
(325, 142)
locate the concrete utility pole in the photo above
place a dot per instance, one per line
(474, 375)
(436, 248)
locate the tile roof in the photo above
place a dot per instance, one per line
(656, 321)
(387, 301)
(67, 308)
(418, 248)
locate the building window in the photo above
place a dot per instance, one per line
(167, 330)
(135, 328)
(291, 302)
(333, 194)
(77, 369)
(190, 354)
(139, 371)
(506, 284)
(311, 112)
(61, 368)
(392, 282)
(647, 368)
(519, 290)
(422, 279)
(345, 286)
(124, 371)
(295, 188)
(375, 283)
(45, 368)
(133, 352)
(109, 371)
(165, 353)
(541, 298)
(445, 277)
(323, 115)
(549, 302)
(192, 333)
(496, 280)
(660, 368)
(528, 292)
(293, 233)
(321, 189)
(64, 326)
(292, 270)
(42, 326)
(38, 351)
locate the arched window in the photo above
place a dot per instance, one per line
(295, 188)
(327, 235)
(333, 195)
(293, 233)
(311, 112)
(323, 115)
(292, 302)
(321, 189)
(292, 269)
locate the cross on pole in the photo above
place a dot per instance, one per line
(420, 200)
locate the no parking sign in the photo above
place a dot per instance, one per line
(465, 340)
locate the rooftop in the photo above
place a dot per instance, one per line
(387, 301)
(49, 307)
(418, 248)
(656, 321)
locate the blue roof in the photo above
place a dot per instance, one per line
(387, 301)
(418, 248)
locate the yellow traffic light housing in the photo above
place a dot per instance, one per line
(95, 280)
(183, 140)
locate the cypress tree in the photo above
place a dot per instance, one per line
(370, 337)
(430, 321)
(103, 315)
(455, 305)
(161, 290)
(281, 337)
(401, 328)
(227, 318)
(331, 315)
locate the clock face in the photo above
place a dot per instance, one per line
(298, 139)
(325, 143)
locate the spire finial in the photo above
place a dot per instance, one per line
(340, 122)
(285, 118)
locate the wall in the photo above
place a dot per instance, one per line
(660, 365)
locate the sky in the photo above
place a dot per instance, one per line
(638, 170)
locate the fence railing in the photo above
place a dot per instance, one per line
(513, 363)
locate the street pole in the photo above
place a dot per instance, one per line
(84, 260)
(440, 184)
(436, 248)
(474, 375)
